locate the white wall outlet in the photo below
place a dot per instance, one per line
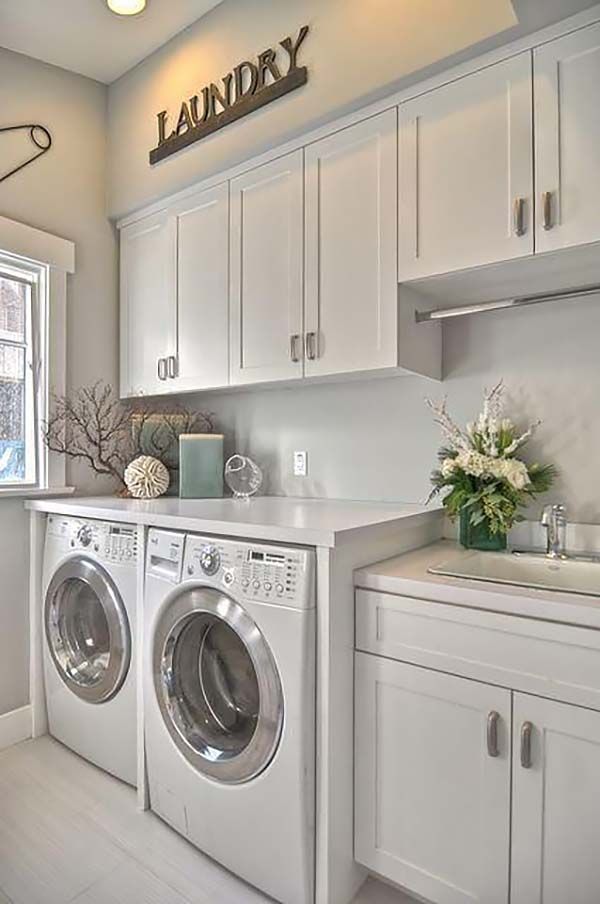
(300, 464)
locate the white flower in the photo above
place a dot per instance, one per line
(448, 467)
(511, 470)
(473, 463)
(516, 473)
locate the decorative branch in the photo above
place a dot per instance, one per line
(94, 426)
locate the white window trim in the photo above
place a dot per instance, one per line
(56, 258)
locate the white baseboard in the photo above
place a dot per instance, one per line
(15, 727)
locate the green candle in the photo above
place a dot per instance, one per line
(200, 465)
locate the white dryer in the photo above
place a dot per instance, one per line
(229, 704)
(89, 593)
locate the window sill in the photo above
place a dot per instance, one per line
(34, 492)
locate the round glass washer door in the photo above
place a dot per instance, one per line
(87, 630)
(217, 686)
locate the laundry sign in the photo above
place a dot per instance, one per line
(250, 85)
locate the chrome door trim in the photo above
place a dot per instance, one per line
(99, 581)
(177, 613)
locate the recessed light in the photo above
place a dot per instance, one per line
(126, 7)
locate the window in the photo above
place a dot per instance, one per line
(23, 353)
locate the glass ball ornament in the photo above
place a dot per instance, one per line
(243, 476)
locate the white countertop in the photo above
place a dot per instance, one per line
(311, 522)
(408, 575)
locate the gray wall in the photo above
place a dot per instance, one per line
(374, 439)
(63, 193)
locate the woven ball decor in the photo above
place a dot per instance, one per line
(146, 478)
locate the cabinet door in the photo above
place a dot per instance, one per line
(351, 254)
(556, 804)
(466, 174)
(202, 291)
(267, 215)
(148, 304)
(432, 800)
(567, 122)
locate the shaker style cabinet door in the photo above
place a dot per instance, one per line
(148, 304)
(351, 249)
(567, 130)
(556, 803)
(466, 172)
(266, 247)
(202, 291)
(432, 775)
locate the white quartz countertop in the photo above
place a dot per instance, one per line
(408, 575)
(311, 522)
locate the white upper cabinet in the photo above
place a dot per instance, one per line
(432, 773)
(351, 255)
(567, 130)
(202, 291)
(266, 242)
(466, 172)
(148, 315)
(556, 803)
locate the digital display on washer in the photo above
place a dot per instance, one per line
(257, 556)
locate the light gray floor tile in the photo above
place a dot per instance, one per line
(129, 883)
(71, 833)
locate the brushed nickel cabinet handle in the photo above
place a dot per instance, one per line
(492, 733)
(526, 731)
(519, 216)
(162, 368)
(294, 340)
(547, 220)
(311, 345)
(172, 367)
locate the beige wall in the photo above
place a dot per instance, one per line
(63, 193)
(356, 50)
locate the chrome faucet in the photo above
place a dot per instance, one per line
(554, 519)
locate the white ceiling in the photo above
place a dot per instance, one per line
(84, 36)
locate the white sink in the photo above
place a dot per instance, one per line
(525, 570)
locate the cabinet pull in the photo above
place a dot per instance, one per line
(492, 733)
(311, 346)
(547, 221)
(162, 368)
(519, 216)
(172, 367)
(526, 731)
(294, 340)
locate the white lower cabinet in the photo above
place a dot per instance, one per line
(556, 803)
(441, 810)
(432, 781)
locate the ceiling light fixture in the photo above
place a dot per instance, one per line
(126, 7)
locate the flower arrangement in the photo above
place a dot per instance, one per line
(481, 468)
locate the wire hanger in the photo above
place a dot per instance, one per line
(40, 138)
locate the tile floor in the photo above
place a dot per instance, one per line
(70, 834)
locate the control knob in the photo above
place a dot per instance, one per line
(85, 535)
(210, 560)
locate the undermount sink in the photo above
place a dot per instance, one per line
(526, 570)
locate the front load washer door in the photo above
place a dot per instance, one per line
(87, 630)
(217, 685)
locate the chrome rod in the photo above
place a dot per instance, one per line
(484, 307)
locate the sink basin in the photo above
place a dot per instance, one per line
(523, 570)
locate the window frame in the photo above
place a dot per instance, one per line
(36, 352)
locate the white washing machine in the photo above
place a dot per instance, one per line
(89, 592)
(229, 704)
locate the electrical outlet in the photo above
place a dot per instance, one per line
(300, 464)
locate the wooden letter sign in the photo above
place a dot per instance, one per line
(249, 86)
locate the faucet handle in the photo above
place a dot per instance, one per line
(556, 512)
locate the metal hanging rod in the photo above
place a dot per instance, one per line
(485, 306)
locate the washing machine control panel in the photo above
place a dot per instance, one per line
(258, 572)
(104, 541)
